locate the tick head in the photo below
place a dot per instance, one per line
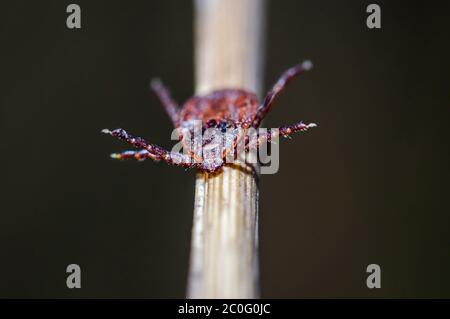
(222, 125)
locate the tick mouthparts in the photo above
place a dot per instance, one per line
(307, 65)
(106, 131)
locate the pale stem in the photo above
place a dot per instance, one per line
(224, 247)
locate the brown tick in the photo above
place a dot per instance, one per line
(228, 112)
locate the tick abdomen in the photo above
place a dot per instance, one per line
(229, 104)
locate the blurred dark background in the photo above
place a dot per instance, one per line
(370, 185)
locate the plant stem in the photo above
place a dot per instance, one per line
(224, 247)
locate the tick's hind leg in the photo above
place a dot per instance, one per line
(166, 100)
(285, 78)
(155, 152)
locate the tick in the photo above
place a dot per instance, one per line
(229, 112)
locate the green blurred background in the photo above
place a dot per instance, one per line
(370, 185)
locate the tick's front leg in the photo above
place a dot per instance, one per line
(284, 131)
(287, 130)
(137, 155)
(155, 152)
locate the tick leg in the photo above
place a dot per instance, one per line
(284, 131)
(287, 130)
(155, 152)
(137, 155)
(166, 100)
(285, 78)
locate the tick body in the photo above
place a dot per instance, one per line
(230, 106)
(225, 114)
